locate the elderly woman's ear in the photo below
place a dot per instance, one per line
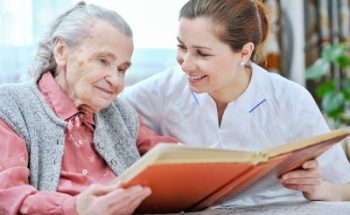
(60, 52)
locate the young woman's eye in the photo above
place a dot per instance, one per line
(122, 71)
(202, 54)
(180, 46)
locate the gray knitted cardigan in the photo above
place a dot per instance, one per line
(25, 110)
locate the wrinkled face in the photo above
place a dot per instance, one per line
(92, 73)
(211, 65)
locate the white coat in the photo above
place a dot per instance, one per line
(271, 111)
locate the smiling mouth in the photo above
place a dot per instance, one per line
(105, 90)
(196, 77)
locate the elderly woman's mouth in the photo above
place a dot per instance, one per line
(109, 92)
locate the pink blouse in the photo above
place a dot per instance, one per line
(81, 164)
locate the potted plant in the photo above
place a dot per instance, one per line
(333, 90)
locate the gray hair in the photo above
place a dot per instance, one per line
(71, 27)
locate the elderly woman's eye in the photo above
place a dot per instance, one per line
(104, 61)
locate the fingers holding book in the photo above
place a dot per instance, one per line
(110, 199)
(308, 180)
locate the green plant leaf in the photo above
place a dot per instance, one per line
(343, 61)
(331, 53)
(325, 88)
(332, 103)
(346, 88)
(317, 70)
(346, 61)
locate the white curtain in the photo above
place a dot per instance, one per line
(22, 22)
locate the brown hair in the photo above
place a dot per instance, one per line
(242, 21)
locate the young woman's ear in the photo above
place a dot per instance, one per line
(59, 52)
(246, 52)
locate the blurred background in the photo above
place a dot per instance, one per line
(23, 22)
(308, 42)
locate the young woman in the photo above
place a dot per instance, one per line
(218, 97)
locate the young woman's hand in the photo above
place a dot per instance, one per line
(309, 181)
(110, 199)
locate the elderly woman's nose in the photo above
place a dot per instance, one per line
(115, 80)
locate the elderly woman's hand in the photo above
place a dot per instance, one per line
(110, 199)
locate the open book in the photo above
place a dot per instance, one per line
(186, 178)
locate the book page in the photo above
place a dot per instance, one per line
(169, 153)
(285, 208)
(329, 138)
(179, 154)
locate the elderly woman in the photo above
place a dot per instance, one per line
(65, 131)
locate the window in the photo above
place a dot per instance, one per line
(24, 22)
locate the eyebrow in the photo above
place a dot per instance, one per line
(197, 47)
(106, 54)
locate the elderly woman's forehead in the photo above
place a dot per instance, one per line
(98, 24)
(105, 38)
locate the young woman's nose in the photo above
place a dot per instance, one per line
(187, 63)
